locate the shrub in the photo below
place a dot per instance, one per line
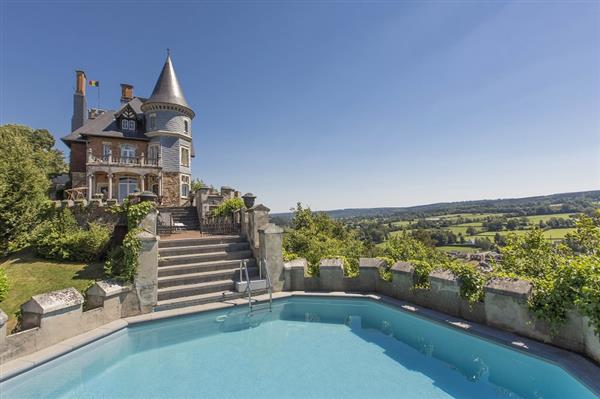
(315, 236)
(4, 285)
(227, 207)
(59, 237)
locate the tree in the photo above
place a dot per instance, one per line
(197, 184)
(25, 165)
(471, 231)
(314, 236)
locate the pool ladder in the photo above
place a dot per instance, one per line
(262, 265)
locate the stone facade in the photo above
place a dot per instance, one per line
(171, 189)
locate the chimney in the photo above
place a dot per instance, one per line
(126, 93)
(79, 102)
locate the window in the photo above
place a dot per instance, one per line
(153, 122)
(106, 151)
(127, 124)
(185, 157)
(186, 127)
(153, 152)
(127, 153)
(185, 186)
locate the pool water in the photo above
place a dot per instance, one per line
(304, 348)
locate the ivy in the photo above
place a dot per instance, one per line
(4, 285)
(123, 261)
(471, 281)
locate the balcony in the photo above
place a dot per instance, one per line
(122, 161)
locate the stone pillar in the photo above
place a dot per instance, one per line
(444, 291)
(3, 320)
(296, 270)
(368, 273)
(90, 189)
(258, 218)
(90, 157)
(403, 280)
(107, 294)
(160, 188)
(57, 314)
(146, 279)
(142, 182)
(271, 257)
(110, 184)
(506, 306)
(331, 272)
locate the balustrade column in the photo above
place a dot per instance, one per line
(160, 184)
(142, 185)
(110, 185)
(90, 186)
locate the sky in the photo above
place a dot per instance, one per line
(336, 104)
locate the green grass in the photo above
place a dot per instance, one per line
(30, 276)
(558, 234)
(535, 219)
(553, 234)
(459, 248)
(401, 223)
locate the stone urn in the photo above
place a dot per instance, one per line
(249, 199)
(147, 196)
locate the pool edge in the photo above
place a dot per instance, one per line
(576, 365)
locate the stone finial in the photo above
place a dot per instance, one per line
(370, 263)
(107, 288)
(403, 267)
(299, 263)
(331, 263)
(249, 199)
(54, 301)
(519, 289)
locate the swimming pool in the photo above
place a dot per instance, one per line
(307, 347)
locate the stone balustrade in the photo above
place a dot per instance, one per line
(504, 306)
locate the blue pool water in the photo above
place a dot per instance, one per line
(304, 348)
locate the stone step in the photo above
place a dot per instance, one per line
(179, 291)
(202, 267)
(186, 242)
(199, 249)
(205, 257)
(193, 300)
(204, 277)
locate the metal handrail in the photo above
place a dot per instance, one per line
(268, 278)
(244, 265)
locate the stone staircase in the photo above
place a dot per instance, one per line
(185, 218)
(194, 271)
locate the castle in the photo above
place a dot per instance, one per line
(146, 144)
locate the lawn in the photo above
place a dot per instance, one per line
(552, 234)
(29, 276)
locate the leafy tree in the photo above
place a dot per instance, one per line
(471, 231)
(25, 165)
(197, 184)
(315, 236)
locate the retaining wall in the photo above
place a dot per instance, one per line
(504, 306)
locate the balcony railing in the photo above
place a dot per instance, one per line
(123, 160)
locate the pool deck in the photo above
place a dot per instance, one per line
(580, 367)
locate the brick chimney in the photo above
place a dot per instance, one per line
(79, 102)
(126, 93)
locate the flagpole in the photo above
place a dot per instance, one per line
(98, 91)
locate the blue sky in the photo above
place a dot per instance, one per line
(336, 104)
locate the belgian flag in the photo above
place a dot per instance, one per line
(94, 83)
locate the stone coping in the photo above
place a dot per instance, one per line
(578, 366)
(53, 301)
(519, 289)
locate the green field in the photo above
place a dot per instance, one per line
(553, 234)
(535, 219)
(459, 248)
(401, 223)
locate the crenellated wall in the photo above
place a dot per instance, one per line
(504, 306)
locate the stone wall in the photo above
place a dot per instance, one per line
(504, 306)
(171, 189)
(52, 317)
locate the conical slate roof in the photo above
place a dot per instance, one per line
(167, 89)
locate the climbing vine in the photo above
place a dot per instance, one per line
(123, 261)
